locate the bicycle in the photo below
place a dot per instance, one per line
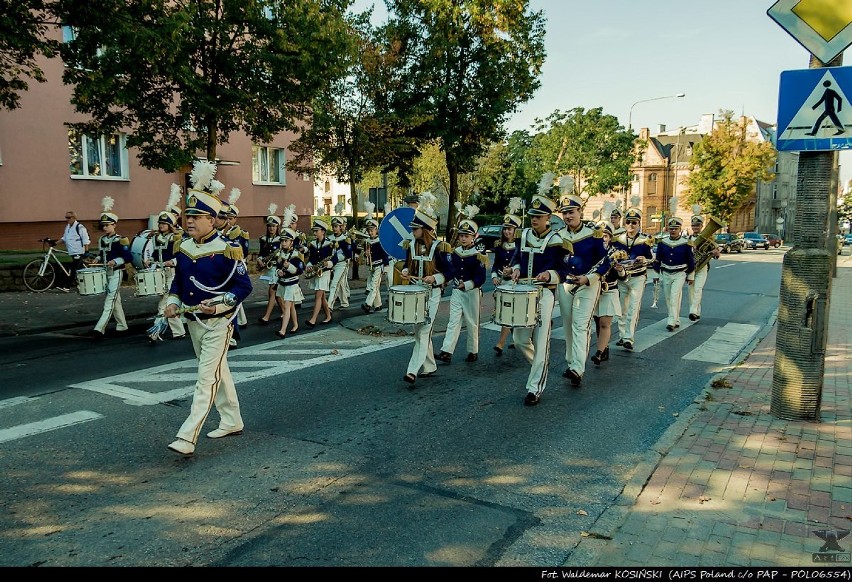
(40, 274)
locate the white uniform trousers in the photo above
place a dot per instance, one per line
(112, 303)
(374, 286)
(423, 355)
(339, 285)
(577, 311)
(175, 323)
(673, 292)
(631, 292)
(241, 315)
(463, 304)
(534, 344)
(214, 385)
(391, 262)
(696, 290)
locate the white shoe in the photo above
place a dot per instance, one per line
(222, 432)
(182, 447)
(232, 343)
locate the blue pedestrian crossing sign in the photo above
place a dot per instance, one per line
(394, 229)
(814, 113)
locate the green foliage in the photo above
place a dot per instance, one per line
(23, 24)
(725, 167)
(589, 146)
(181, 76)
(464, 66)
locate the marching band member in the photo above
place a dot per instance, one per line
(300, 244)
(638, 246)
(615, 222)
(377, 261)
(410, 201)
(211, 288)
(609, 305)
(290, 265)
(114, 251)
(163, 242)
(675, 263)
(578, 293)
(696, 290)
(343, 248)
(504, 250)
(269, 244)
(236, 235)
(427, 263)
(469, 267)
(321, 259)
(539, 257)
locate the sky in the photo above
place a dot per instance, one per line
(722, 54)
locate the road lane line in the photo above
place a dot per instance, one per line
(56, 422)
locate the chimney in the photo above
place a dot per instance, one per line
(644, 134)
(662, 128)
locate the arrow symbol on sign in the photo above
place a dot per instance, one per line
(397, 226)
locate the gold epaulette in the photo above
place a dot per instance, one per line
(298, 255)
(348, 240)
(234, 234)
(497, 244)
(245, 234)
(649, 241)
(483, 258)
(568, 246)
(598, 233)
(444, 247)
(234, 252)
(124, 241)
(406, 244)
(176, 245)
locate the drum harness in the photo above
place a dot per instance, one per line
(421, 260)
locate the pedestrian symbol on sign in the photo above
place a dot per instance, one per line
(828, 99)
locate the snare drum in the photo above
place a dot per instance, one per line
(516, 305)
(91, 281)
(142, 248)
(150, 282)
(407, 304)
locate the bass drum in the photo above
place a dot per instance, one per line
(142, 248)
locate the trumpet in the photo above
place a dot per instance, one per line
(656, 293)
(313, 271)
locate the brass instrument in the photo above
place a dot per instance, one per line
(313, 271)
(703, 244)
(656, 293)
(613, 255)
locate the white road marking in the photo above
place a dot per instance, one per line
(251, 363)
(34, 428)
(15, 401)
(725, 344)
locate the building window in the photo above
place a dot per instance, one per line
(267, 165)
(68, 34)
(634, 178)
(652, 177)
(103, 156)
(342, 201)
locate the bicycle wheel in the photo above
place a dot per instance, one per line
(36, 281)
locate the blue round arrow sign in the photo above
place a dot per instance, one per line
(394, 229)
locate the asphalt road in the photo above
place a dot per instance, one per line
(341, 463)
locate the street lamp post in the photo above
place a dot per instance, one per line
(630, 115)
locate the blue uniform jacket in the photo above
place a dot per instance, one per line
(115, 248)
(318, 254)
(268, 247)
(343, 247)
(438, 255)
(536, 254)
(378, 254)
(207, 269)
(295, 267)
(637, 246)
(589, 253)
(469, 267)
(674, 256)
(237, 235)
(503, 253)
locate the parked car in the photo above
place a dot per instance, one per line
(487, 236)
(729, 243)
(754, 240)
(847, 240)
(774, 240)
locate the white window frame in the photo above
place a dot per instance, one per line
(84, 144)
(259, 152)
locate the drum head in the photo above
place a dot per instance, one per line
(142, 248)
(518, 288)
(408, 289)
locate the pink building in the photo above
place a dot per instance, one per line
(45, 170)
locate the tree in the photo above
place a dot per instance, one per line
(725, 167)
(505, 172)
(589, 146)
(465, 66)
(23, 24)
(181, 76)
(844, 205)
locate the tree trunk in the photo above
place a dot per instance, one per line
(452, 219)
(353, 196)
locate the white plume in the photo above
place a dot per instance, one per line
(635, 200)
(427, 203)
(338, 208)
(234, 195)
(107, 202)
(470, 210)
(673, 205)
(566, 184)
(458, 206)
(272, 208)
(174, 197)
(202, 174)
(388, 208)
(289, 215)
(608, 206)
(618, 203)
(546, 183)
(215, 187)
(369, 207)
(596, 213)
(515, 204)
(696, 209)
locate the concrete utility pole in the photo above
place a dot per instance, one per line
(797, 377)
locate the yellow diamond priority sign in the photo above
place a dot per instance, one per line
(823, 27)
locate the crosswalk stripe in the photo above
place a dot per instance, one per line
(725, 344)
(56, 422)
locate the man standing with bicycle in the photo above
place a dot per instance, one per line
(76, 240)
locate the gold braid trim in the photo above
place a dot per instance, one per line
(124, 241)
(566, 244)
(444, 247)
(234, 252)
(482, 259)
